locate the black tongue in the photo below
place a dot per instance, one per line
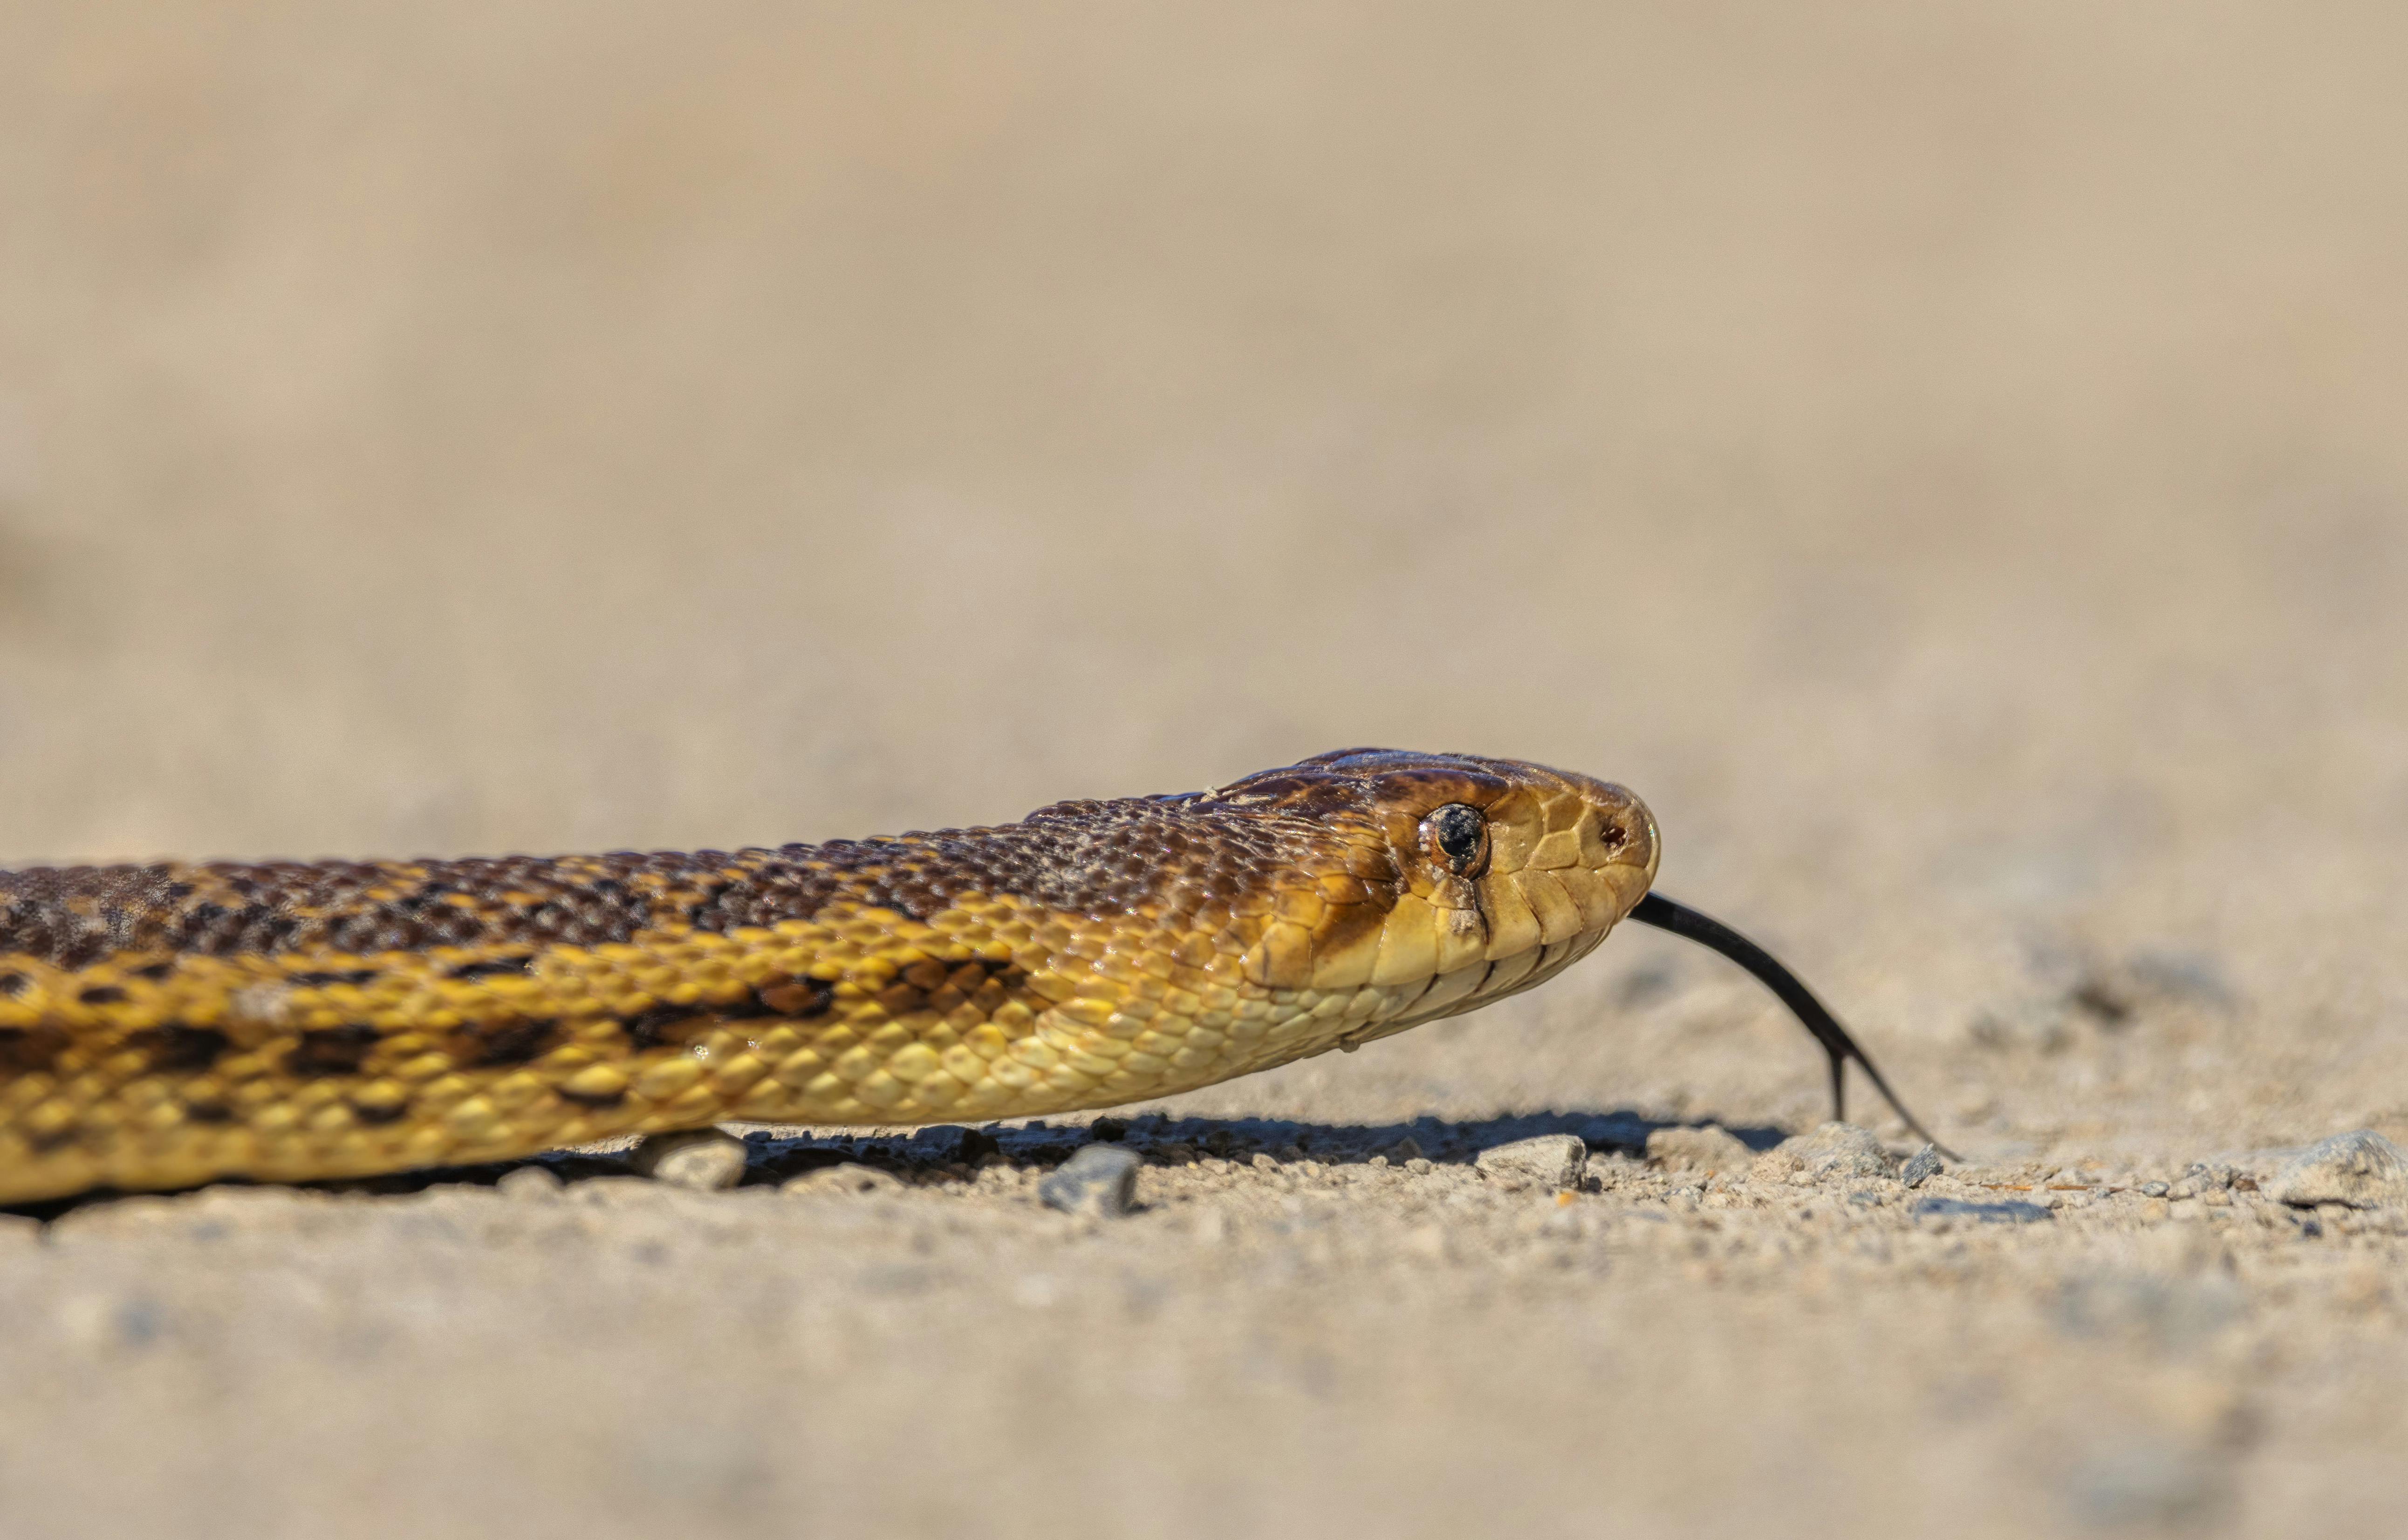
(1711, 933)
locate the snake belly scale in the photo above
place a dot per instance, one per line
(165, 1025)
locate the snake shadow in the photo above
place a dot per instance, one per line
(1163, 1139)
(950, 1152)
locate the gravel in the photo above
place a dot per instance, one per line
(1100, 1181)
(2014, 1212)
(2361, 1169)
(845, 1177)
(526, 1182)
(1835, 1151)
(703, 1159)
(1548, 1160)
(1704, 1149)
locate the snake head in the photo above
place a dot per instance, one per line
(1459, 877)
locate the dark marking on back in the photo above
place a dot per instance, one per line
(102, 994)
(208, 1111)
(493, 968)
(154, 972)
(511, 1042)
(652, 1028)
(13, 985)
(797, 1000)
(179, 1049)
(333, 1050)
(29, 1050)
(320, 978)
(374, 1113)
(751, 1007)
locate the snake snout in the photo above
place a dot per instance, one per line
(1626, 847)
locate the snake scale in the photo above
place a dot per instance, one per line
(165, 1025)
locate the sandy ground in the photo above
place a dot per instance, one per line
(1948, 460)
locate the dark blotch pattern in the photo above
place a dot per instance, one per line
(1093, 858)
(493, 968)
(514, 1043)
(26, 1050)
(332, 1050)
(663, 1024)
(320, 978)
(180, 1050)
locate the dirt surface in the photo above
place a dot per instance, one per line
(1947, 461)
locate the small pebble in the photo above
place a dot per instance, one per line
(2153, 1189)
(2361, 1169)
(1988, 1214)
(1101, 1179)
(528, 1182)
(1922, 1167)
(702, 1160)
(1551, 1159)
(1834, 1150)
(1705, 1149)
(851, 1176)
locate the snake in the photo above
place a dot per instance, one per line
(167, 1025)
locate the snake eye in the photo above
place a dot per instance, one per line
(1460, 835)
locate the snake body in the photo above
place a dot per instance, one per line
(165, 1025)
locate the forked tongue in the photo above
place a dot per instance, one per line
(1663, 914)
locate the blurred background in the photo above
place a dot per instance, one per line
(1948, 460)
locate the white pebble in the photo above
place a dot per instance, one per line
(1706, 1150)
(2361, 1169)
(702, 1160)
(1100, 1180)
(1839, 1150)
(528, 1182)
(1550, 1161)
(848, 1176)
